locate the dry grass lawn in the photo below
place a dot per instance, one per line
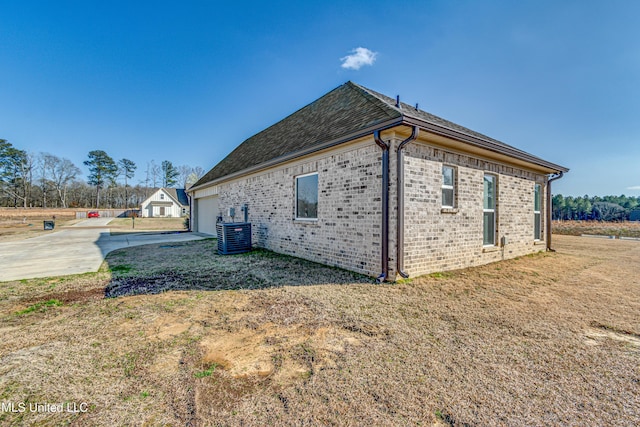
(18, 223)
(188, 337)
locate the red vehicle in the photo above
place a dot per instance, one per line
(93, 214)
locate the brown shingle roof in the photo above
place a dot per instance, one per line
(346, 110)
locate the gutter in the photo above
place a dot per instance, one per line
(481, 143)
(400, 194)
(190, 211)
(384, 261)
(387, 124)
(552, 178)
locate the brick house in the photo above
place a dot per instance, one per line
(361, 181)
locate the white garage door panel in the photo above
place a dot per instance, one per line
(207, 213)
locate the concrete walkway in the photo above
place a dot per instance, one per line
(77, 249)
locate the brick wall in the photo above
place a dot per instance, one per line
(347, 232)
(439, 239)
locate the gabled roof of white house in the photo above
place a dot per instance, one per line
(179, 194)
(347, 112)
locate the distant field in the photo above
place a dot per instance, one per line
(17, 224)
(577, 228)
(20, 215)
(24, 223)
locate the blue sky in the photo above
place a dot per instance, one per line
(188, 81)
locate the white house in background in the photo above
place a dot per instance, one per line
(166, 203)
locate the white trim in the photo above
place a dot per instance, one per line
(494, 210)
(295, 197)
(537, 212)
(205, 192)
(454, 172)
(306, 174)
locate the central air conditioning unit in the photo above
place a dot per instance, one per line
(233, 237)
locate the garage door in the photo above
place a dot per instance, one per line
(207, 213)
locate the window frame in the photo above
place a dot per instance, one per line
(537, 214)
(454, 173)
(161, 196)
(296, 178)
(493, 210)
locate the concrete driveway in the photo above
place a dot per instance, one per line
(74, 250)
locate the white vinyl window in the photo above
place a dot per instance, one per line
(489, 210)
(307, 196)
(537, 217)
(448, 187)
(161, 196)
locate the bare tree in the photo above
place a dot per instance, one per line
(196, 173)
(62, 173)
(43, 170)
(156, 173)
(79, 194)
(27, 176)
(183, 175)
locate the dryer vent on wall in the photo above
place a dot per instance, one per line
(233, 237)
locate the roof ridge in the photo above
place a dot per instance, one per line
(346, 110)
(363, 91)
(408, 110)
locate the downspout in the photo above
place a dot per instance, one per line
(385, 207)
(400, 194)
(553, 178)
(190, 212)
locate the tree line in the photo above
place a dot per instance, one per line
(48, 181)
(607, 208)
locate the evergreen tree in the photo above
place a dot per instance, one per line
(102, 170)
(15, 172)
(169, 174)
(127, 168)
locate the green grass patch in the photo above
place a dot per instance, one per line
(122, 268)
(207, 372)
(40, 306)
(440, 275)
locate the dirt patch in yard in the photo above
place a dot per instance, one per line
(185, 266)
(127, 225)
(74, 296)
(546, 339)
